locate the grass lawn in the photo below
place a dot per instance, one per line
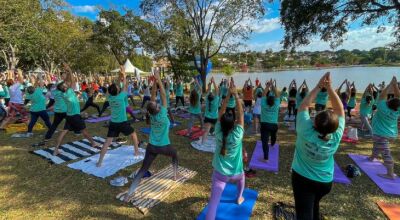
(32, 188)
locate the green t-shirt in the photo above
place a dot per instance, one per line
(38, 100)
(384, 123)
(365, 108)
(212, 108)
(159, 132)
(196, 109)
(270, 114)
(284, 96)
(232, 163)
(313, 157)
(322, 98)
(179, 90)
(231, 102)
(118, 107)
(224, 90)
(72, 102)
(352, 102)
(59, 103)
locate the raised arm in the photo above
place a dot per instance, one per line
(307, 101)
(337, 104)
(367, 91)
(240, 118)
(341, 85)
(123, 79)
(216, 89)
(153, 89)
(267, 85)
(163, 96)
(275, 89)
(224, 104)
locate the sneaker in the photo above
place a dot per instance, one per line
(121, 140)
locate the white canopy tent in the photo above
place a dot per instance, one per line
(131, 69)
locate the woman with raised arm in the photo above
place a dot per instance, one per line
(16, 103)
(292, 100)
(258, 94)
(38, 104)
(195, 107)
(321, 100)
(344, 96)
(352, 100)
(228, 157)
(301, 94)
(74, 121)
(384, 127)
(248, 94)
(316, 144)
(270, 104)
(179, 96)
(159, 142)
(211, 111)
(367, 102)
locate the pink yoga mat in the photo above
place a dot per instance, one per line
(339, 177)
(372, 169)
(100, 119)
(273, 162)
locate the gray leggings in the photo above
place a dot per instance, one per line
(151, 154)
(365, 123)
(191, 121)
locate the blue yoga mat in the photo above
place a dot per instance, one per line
(147, 130)
(228, 209)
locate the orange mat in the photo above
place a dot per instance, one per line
(392, 211)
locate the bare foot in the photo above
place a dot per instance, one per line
(240, 200)
(56, 152)
(177, 177)
(387, 176)
(98, 164)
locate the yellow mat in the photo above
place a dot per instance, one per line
(22, 127)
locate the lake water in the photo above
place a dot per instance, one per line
(362, 76)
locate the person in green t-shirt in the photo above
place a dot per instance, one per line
(211, 111)
(385, 128)
(195, 107)
(284, 95)
(228, 157)
(159, 142)
(352, 100)
(74, 121)
(38, 103)
(119, 121)
(179, 96)
(321, 100)
(270, 105)
(367, 102)
(316, 143)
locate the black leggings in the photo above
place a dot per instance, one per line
(151, 154)
(179, 98)
(103, 109)
(145, 99)
(307, 195)
(51, 103)
(268, 130)
(58, 118)
(35, 116)
(349, 111)
(89, 103)
(291, 106)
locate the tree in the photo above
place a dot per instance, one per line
(211, 25)
(330, 19)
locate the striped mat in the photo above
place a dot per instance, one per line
(155, 189)
(73, 150)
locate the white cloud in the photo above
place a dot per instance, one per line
(363, 38)
(265, 25)
(85, 8)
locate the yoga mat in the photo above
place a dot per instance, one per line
(208, 146)
(258, 155)
(185, 131)
(184, 115)
(100, 119)
(22, 127)
(114, 160)
(372, 169)
(392, 211)
(156, 188)
(228, 209)
(147, 130)
(339, 177)
(72, 150)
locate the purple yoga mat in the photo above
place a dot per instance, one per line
(100, 119)
(372, 169)
(273, 162)
(339, 177)
(184, 115)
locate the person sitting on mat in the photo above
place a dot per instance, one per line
(316, 144)
(119, 121)
(38, 104)
(270, 104)
(159, 142)
(385, 128)
(195, 107)
(228, 157)
(367, 101)
(211, 111)
(74, 121)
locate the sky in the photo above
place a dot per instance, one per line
(268, 32)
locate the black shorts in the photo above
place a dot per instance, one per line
(122, 127)
(74, 123)
(210, 120)
(248, 103)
